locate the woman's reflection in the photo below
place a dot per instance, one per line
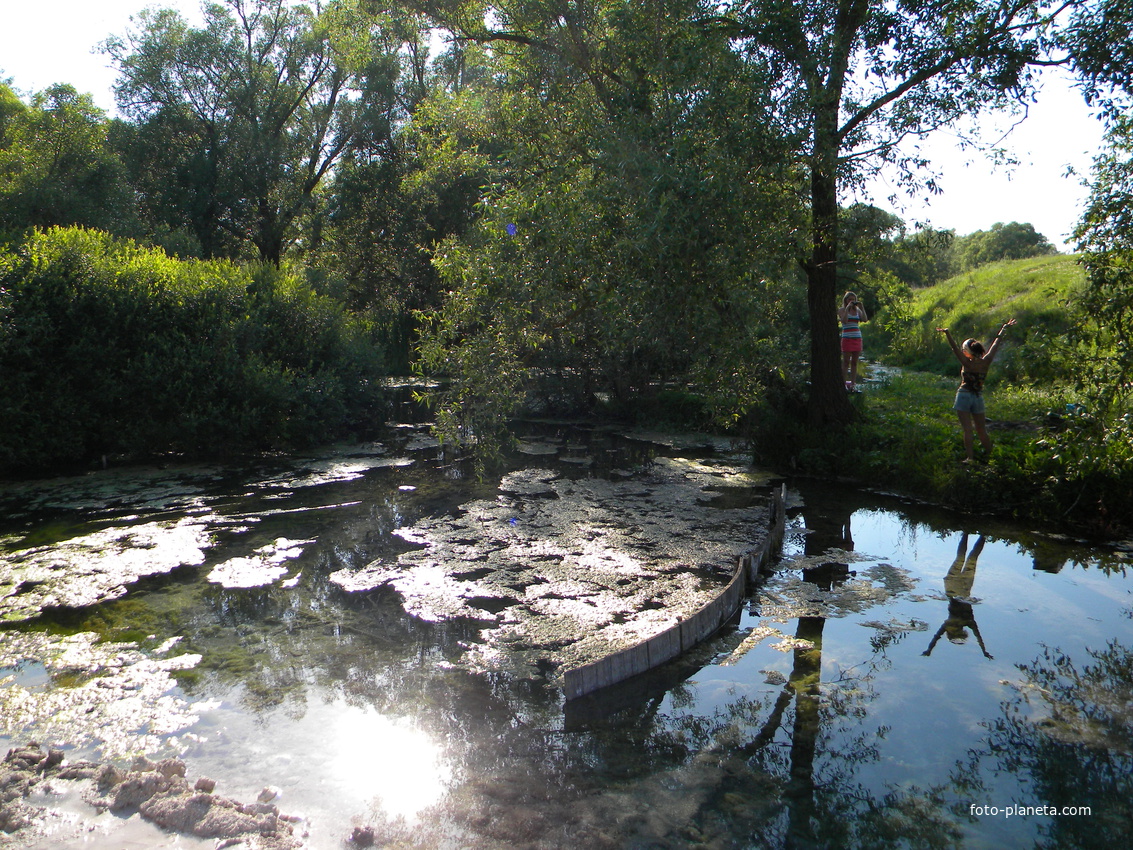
(958, 588)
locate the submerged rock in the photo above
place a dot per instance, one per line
(159, 792)
(561, 571)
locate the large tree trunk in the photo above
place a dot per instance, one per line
(828, 403)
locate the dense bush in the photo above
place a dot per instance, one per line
(108, 348)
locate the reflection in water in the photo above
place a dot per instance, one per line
(378, 757)
(958, 588)
(1069, 730)
(817, 721)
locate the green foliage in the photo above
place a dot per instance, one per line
(852, 83)
(894, 318)
(633, 233)
(109, 348)
(1012, 241)
(1034, 291)
(876, 242)
(240, 121)
(1104, 333)
(56, 167)
(923, 257)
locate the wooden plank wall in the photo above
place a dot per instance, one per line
(663, 647)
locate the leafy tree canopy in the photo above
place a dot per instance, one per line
(636, 229)
(248, 114)
(55, 165)
(1012, 241)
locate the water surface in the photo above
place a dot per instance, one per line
(905, 673)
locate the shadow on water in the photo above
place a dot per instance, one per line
(901, 679)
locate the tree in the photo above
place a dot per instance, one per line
(11, 107)
(859, 77)
(924, 257)
(638, 217)
(851, 81)
(244, 118)
(1012, 241)
(56, 167)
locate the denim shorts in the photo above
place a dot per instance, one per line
(968, 402)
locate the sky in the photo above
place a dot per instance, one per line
(55, 41)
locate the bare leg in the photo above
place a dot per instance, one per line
(980, 420)
(854, 367)
(846, 356)
(966, 424)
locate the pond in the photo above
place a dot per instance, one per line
(905, 676)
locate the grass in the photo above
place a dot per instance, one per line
(974, 304)
(1069, 472)
(1066, 473)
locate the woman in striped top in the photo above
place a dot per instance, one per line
(851, 314)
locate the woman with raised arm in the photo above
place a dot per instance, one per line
(969, 405)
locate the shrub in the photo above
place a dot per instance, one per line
(109, 348)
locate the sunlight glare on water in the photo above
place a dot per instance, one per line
(399, 766)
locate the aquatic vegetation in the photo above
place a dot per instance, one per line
(265, 566)
(558, 571)
(93, 693)
(98, 566)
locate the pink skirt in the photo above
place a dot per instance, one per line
(851, 345)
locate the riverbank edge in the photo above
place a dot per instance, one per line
(1067, 474)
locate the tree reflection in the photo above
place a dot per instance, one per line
(781, 771)
(1067, 735)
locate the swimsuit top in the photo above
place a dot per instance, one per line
(973, 382)
(850, 329)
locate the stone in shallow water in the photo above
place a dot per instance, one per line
(159, 793)
(537, 448)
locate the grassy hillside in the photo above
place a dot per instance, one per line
(975, 303)
(1054, 463)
